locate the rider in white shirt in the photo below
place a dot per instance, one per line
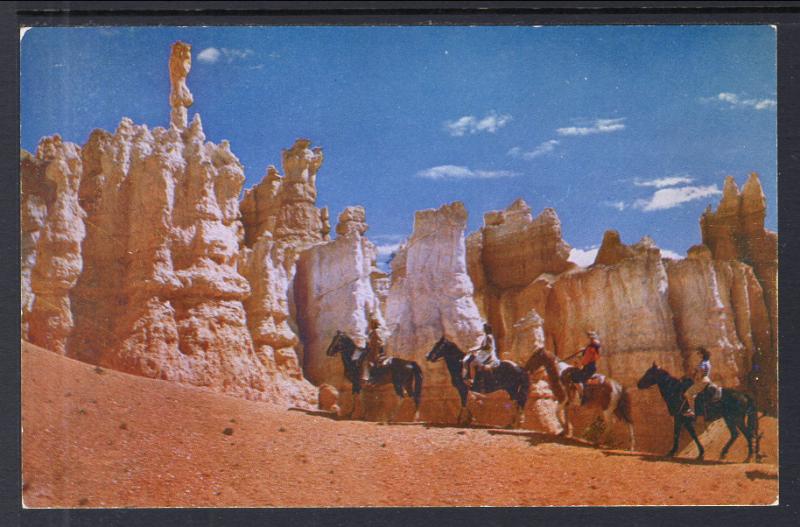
(485, 356)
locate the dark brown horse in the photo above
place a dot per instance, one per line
(507, 376)
(609, 396)
(405, 375)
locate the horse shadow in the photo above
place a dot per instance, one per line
(473, 426)
(760, 474)
(333, 416)
(540, 438)
(657, 458)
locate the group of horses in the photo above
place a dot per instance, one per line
(737, 408)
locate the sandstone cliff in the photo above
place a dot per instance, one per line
(156, 288)
(137, 254)
(52, 231)
(735, 231)
(161, 295)
(333, 292)
(513, 260)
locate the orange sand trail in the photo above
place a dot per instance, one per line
(98, 438)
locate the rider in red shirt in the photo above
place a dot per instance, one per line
(591, 354)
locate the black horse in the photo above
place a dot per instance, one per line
(672, 391)
(405, 375)
(507, 376)
(739, 411)
(734, 407)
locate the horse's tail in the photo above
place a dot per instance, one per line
(752, 423)
(523, 389)
(623, 410)
(416, 393)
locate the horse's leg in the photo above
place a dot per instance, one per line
(398, 389)
(463, 395)
(513, 423)
(355, 392)
(520, 418)
(632, 437)
(409, 387)
(740, 422)
(676, 432)
(567, 422)
(690, 428)
(734, 434)
(606, 427)
(560, 415)
(395, 409)
(362, 410)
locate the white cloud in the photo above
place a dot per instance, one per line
(763, 104)
(209, 55)
(734, 100)
(236, 54)
(672, 255)
(459, 172)
(670, 181)
(472, 125)
(599, 126)
(212, 55)
(668, 198)
(583, 257)
(542, 149)
(619, 205)
(387, 249)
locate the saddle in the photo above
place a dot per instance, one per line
(707, 403)
(484, 376)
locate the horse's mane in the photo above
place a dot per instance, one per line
(449, 344)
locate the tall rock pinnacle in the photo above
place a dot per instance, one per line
(180, 98)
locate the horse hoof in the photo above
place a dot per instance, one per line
(700, 456)
(669, 454)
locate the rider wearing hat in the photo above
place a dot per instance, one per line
(485, 356)
(590, 355)
(376, 355)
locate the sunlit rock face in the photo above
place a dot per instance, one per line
(138, 255)
(52, 230)
(132, 256)
(161, 294)
(735, 231)
(432, 295)
(333, 292)
(512, 261)
(281, 220)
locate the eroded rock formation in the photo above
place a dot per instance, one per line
(280, 221)
(161, 295)
(180, 98)
(333, 292)
(162, 290)
(138, 255)
(52, 231)
(512, 262)
(735, 231)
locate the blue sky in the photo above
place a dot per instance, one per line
(626, 128)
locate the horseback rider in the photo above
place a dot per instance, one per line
(376, 354)
(485, 356)
(702, 378)
(588, 364)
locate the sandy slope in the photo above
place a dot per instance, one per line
(98, 438)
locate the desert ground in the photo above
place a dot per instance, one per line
(99, 438)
